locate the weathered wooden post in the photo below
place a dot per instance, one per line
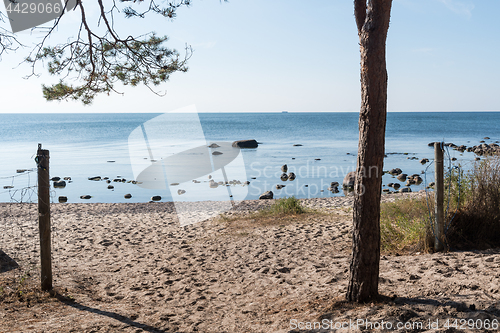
(42, 159)
(439, 197)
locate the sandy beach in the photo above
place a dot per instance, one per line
(132, 268)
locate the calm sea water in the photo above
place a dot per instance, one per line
(123, 145)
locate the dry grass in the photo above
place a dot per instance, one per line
(282, 212)
(473, 213)
(477, 222)
(404, 226)
(23, 291)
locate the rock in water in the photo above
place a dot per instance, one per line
(284, 168)
(156, 198)
(216, 153)
(406, 190)
(110, 187)
(87, 196)
(96, 178)
(214, 145)
(245, 144)
(267, 195)
(181, 192)
(291, 176)
(402, 177)
(396, 171)
(284, 177)
(349, 180)
(279, 186)
(55, 179)
(63, 199)
(127, 196)
(333, 189)
(60, 184)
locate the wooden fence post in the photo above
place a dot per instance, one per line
(44, 217)
(439, 197)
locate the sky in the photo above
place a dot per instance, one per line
(271, 56)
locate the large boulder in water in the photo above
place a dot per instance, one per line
(245, 144)
(60, 184)
(396, 171)
(402, 177)
(349, 179)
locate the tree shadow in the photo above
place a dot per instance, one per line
(492, 312)
(7, 263)
(114, 315)
(459, 306)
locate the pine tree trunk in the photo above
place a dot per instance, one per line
(373, 22)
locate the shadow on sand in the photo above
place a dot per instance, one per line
(7, 263)
(126, 320)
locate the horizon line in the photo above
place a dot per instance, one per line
(283, 111)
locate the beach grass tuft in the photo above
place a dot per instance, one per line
(284, 207)
(404, 225)
(472, 221)
(476, 223)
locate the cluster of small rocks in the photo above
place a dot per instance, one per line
(483, 149)
(414, 179)
(284, 177)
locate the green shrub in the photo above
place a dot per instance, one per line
(284, 206)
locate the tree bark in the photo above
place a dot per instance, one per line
(372, 20)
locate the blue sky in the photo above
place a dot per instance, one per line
(283, 55)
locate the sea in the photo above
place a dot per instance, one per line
(167, 155)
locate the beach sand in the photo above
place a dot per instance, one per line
(132, 268)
